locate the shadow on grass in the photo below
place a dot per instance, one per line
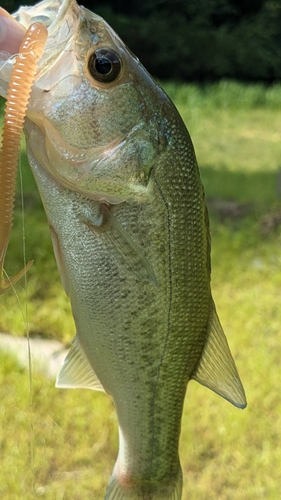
(231, 196)
(261, 188)
(243, 187)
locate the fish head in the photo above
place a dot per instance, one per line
(95, 116)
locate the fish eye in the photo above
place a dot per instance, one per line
(104, 65)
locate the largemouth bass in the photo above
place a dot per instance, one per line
(118, 177)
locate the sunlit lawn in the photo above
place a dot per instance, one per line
(64, 445)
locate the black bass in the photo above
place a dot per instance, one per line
(118, 177)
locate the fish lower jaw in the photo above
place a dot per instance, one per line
(80, 170)
(64, 163)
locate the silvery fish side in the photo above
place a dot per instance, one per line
(118, 177)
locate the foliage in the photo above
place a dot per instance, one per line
(197, 40)
(203, 39)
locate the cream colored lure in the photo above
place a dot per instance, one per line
(22, 77)
(118, 177)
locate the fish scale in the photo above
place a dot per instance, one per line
(118, 177)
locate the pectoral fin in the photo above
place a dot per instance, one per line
(77, 372)
(126, 249)
(216, 369)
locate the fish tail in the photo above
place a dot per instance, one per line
(122, 490)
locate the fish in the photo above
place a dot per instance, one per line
(117, 173)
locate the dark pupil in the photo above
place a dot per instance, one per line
(103, 65)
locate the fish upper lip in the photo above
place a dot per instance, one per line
(62, 24)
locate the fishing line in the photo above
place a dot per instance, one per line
(21, 81)
(23, 305)
(25, 311)
(26, 326)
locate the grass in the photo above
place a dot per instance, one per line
(225, 453)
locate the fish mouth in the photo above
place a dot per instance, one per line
(80, 170)
(51, 13)
(62, 19)
(114, 171)
(109, 172)
(83, 170)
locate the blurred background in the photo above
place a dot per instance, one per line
(220, 62)
(197, 40)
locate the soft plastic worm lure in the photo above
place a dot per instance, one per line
(22, 78)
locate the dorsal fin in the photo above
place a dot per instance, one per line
(77, 372)
(216, 369)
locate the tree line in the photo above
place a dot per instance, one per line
(197, 40)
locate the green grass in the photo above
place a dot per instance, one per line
(226, 453)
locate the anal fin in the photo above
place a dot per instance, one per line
(216, 369)
(77, 372)
(170, 488)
